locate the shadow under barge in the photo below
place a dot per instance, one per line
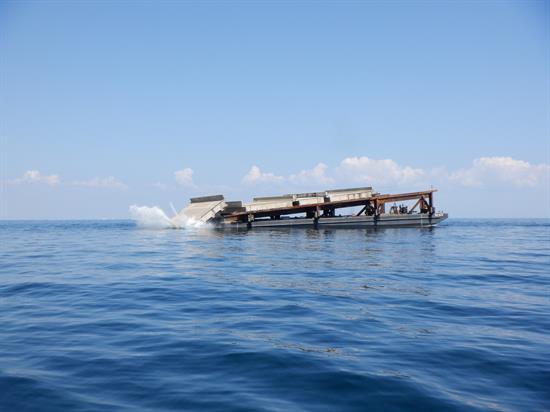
(317, 209)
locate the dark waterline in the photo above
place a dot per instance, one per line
(102, 315)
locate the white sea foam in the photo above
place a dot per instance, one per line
(155, 218)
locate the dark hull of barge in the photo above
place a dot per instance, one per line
(349, 222)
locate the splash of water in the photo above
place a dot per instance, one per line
(150, 217)
(155, 218)
(180, 221)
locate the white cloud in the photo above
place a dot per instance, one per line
(378, 171)
(185, 177)
(34, 176)
(101, 182)
(314, 175)
(486, 170)
(255, 175)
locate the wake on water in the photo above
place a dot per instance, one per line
(155, 218)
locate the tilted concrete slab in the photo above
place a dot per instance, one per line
(202, 211)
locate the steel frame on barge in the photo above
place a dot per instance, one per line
(372, 214)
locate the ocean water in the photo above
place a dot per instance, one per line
(108, 316)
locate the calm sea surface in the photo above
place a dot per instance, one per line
(105, 316)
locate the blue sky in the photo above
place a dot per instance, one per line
(108, 104)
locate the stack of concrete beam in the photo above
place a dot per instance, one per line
(234, 207)
(271, 202)
(349, 194)
(305, 199)
(204, 208)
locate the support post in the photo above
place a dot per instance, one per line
(423, 205)
(414, 207)
(316, 217)
(362, 210)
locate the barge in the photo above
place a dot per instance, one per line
(316, 209)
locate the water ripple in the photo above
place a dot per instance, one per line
(106, 316)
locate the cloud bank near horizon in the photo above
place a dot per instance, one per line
(35, 176)
(484, 171)
(109, 182)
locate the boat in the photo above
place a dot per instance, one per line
(317, 210)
